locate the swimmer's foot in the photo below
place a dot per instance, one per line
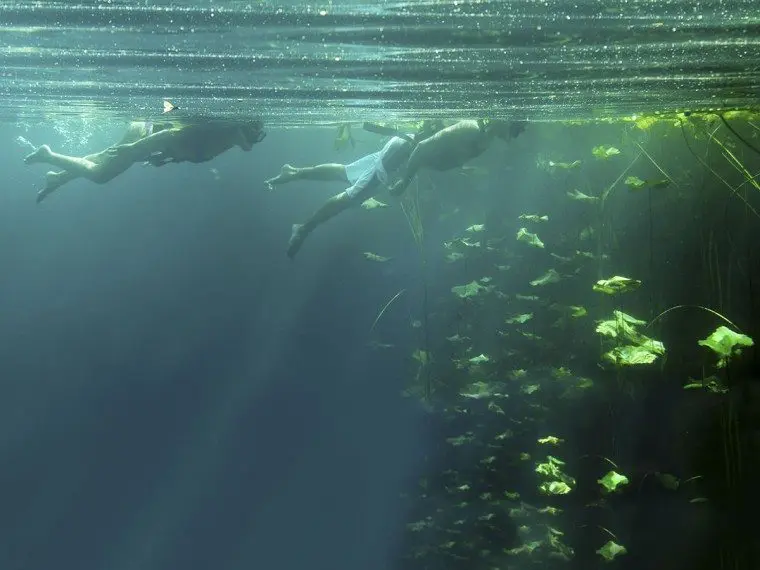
(287, 173)
(39, 155)
(296, 240)
(42, 194)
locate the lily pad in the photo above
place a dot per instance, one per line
(726, 344)
(611, 550)
(525, 236)
(616, 284)
(613, 481)
(550, 276)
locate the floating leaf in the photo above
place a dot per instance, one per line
(519, 319)
(477, 228)
(531, 239)
(604, 151)
(371, 204)
(550, 276)
(616, 284)
(611, 550)
(612, 481)
(369, 256)
(581, 197)
(529, 388)
(454, 256)
(480, 390)
(726, 344)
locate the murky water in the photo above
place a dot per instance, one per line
(299, 63)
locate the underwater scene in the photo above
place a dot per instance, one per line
(423, 285)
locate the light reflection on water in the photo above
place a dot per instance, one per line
(338, 61)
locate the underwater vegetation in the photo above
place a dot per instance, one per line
(567, 342)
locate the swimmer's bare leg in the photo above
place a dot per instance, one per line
(321, 172)
(53, 181)
(78, 166)
(330, 209)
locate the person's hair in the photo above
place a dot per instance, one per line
(429, 128)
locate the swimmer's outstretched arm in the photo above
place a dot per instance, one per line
(321, 172)
(142, 148)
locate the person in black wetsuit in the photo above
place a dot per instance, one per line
(154, 143)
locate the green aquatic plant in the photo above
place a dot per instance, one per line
(613, 481)
(371, 204)
(369, 256)
(476, 228)
(611, 550)
(471, 289)
(634, 348)
(344, 138)
(636, 183)
(519, 319)
(616, 285)
(605, 152)
(525, 236)
(551, 276)
(726, 344)
(533, 218)
(579, 196)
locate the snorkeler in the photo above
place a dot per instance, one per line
(366, 176)
(154, 143)
(453, 146)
